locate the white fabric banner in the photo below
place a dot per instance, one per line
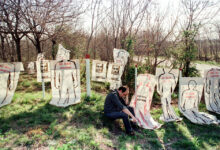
(99, 70)
(31, 68)
(189, 99)
(65, 82)
(43, 70)
(9, 75)
(212, 90)
(62, 53)
(120, 56)
(40, 56)
(166, 83)
(114, 75)
(141, 101)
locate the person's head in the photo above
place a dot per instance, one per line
(123, 91)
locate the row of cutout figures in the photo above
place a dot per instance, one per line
(64, 75)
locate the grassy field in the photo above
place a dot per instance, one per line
(30, 122)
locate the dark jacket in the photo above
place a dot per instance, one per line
(113, 103)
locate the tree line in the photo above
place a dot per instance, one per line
(143, 27)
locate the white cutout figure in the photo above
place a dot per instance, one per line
(40, 56)
(62, 53)
(114, 75)
(99, 70)
(65, 83)
(212, 90)
(43, 68)
(120, 57)
(9, 75)
(166, 83)
(191, 90)
(141, 101)
(31, 68)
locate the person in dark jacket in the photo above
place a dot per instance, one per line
(116, 107)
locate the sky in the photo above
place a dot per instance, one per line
(174, 11)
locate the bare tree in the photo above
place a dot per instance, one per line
(126, 18)
(155, 41)
(197, 14)
(11, 16)
(96, 12)
(45, 18)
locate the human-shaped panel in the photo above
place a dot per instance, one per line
(114, 75)
(65, 82)
(166, 83)
(99, 70)
(9, 75)
(212, 90)
(189, 99)
(142, 99)
(43, 68)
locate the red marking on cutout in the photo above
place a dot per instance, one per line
(142, 117)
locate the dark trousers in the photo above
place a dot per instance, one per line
(123, 116)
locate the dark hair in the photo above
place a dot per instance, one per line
(122, 88)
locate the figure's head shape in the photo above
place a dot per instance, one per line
(40, 56)
(192, 84)
(121, 54)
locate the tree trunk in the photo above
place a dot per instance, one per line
(38, 46)
(3, 48)
(53, 49)
(18, 49)
(187, 68)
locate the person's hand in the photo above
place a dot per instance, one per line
(134, 119)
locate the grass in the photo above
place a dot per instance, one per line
(31, 122)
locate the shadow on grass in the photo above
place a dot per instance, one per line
(38, 124)
(175, 136)
(186, 135)
(204, 136)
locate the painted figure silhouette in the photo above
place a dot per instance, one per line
(212, 90)
(166, 85)
(66, 81)
(189, 106)
(7, 78)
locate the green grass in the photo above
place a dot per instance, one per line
(31, 122)
(208, 62)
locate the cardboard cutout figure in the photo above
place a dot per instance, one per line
(62, 53)
(99, 70)
(9, 75)
(30, 67)
(189, 99)
(141, 101)
(114, 75)
(212, 90)
(65, 76)
(120, 56)
(43, 68)
(166, 83)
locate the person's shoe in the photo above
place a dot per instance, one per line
(136, 128)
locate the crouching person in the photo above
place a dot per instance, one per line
(115, 108)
